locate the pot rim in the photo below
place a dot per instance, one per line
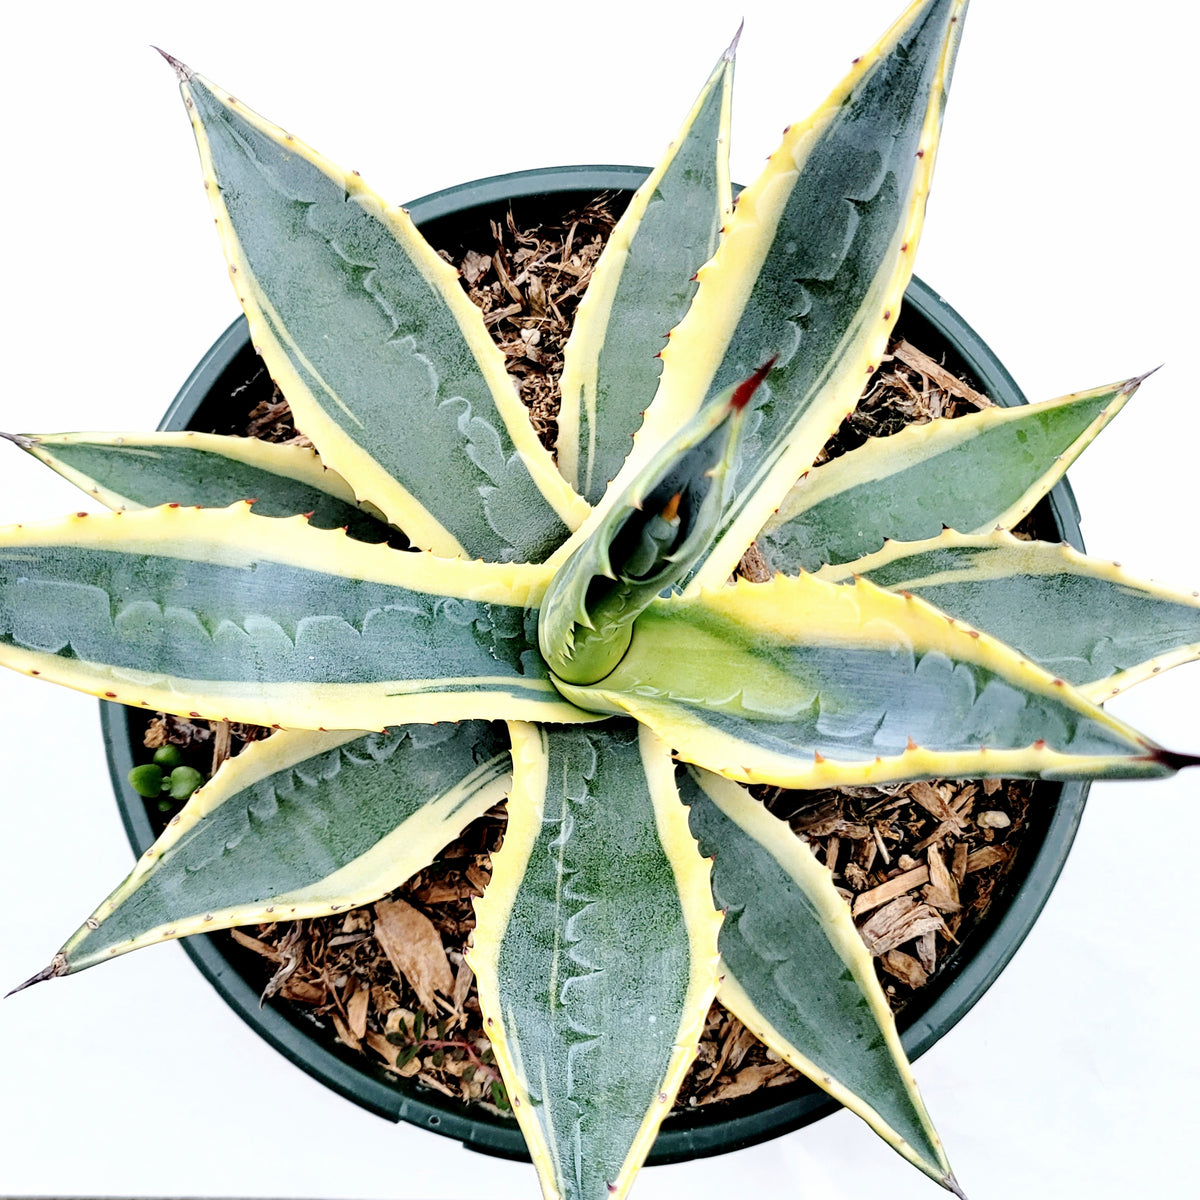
(304, 1040)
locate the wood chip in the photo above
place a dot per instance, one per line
(940, 899)
(747, 1080)
(908, 354)
(462, 985)
(927, 951)
(754, 565)
(939, 875)
(356, 1011)
(475, 265)
(931, 801)
(222, 743)
(414, 947)
(958, 866)
(303, 991)
(897, 923)
(988, 856)
(907, 881)
(439, 891)
(252, 943)
(344, 1032)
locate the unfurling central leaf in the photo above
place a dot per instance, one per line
(646, 543)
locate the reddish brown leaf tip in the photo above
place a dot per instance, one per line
(1174, 761)
(731, 49)
(56, 968)
(745, 390)
(183, 71)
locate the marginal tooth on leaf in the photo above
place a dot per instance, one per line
(911, 745)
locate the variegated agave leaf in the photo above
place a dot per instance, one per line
(1097, 626)
(220, 613)
(370, 337)
(972, 474)
(595, 951)
(301, 825)
(806, 684)
(144, 470)
(794, 969)
(641, 289)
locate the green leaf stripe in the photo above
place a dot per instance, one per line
(301, 825)
(1097, 626)
(641, 289)
(971, 474)
(796, 970)
(144, 470)
(385, 362)
(595, 951)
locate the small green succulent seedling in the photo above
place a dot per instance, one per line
(165, 776)
(563, 632)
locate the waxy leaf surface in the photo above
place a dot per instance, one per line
(386, 364)
(301, 825)
(811, 271)
(795, 970)
(595, 951)
(144, 470)
(224, 614)
(971, 474)
(1095, 626)
(640, 290)
(803, 683)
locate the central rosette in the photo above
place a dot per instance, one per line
(643, 544)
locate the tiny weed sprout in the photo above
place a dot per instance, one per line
(563, 632)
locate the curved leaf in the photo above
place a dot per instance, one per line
(640, 290)
(1096, 626)
(221, 613)
(595, 951)
(972, 474)
(386, 364)
(796, 973)
(301, 825)
(645, 544)
(804, 683)
(144, 470)
(811, 271)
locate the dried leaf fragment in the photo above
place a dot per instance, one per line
(414, 947)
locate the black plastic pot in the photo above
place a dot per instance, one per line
(448, 218)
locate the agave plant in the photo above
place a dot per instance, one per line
(562, 631)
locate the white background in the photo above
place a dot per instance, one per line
(1063, 227)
